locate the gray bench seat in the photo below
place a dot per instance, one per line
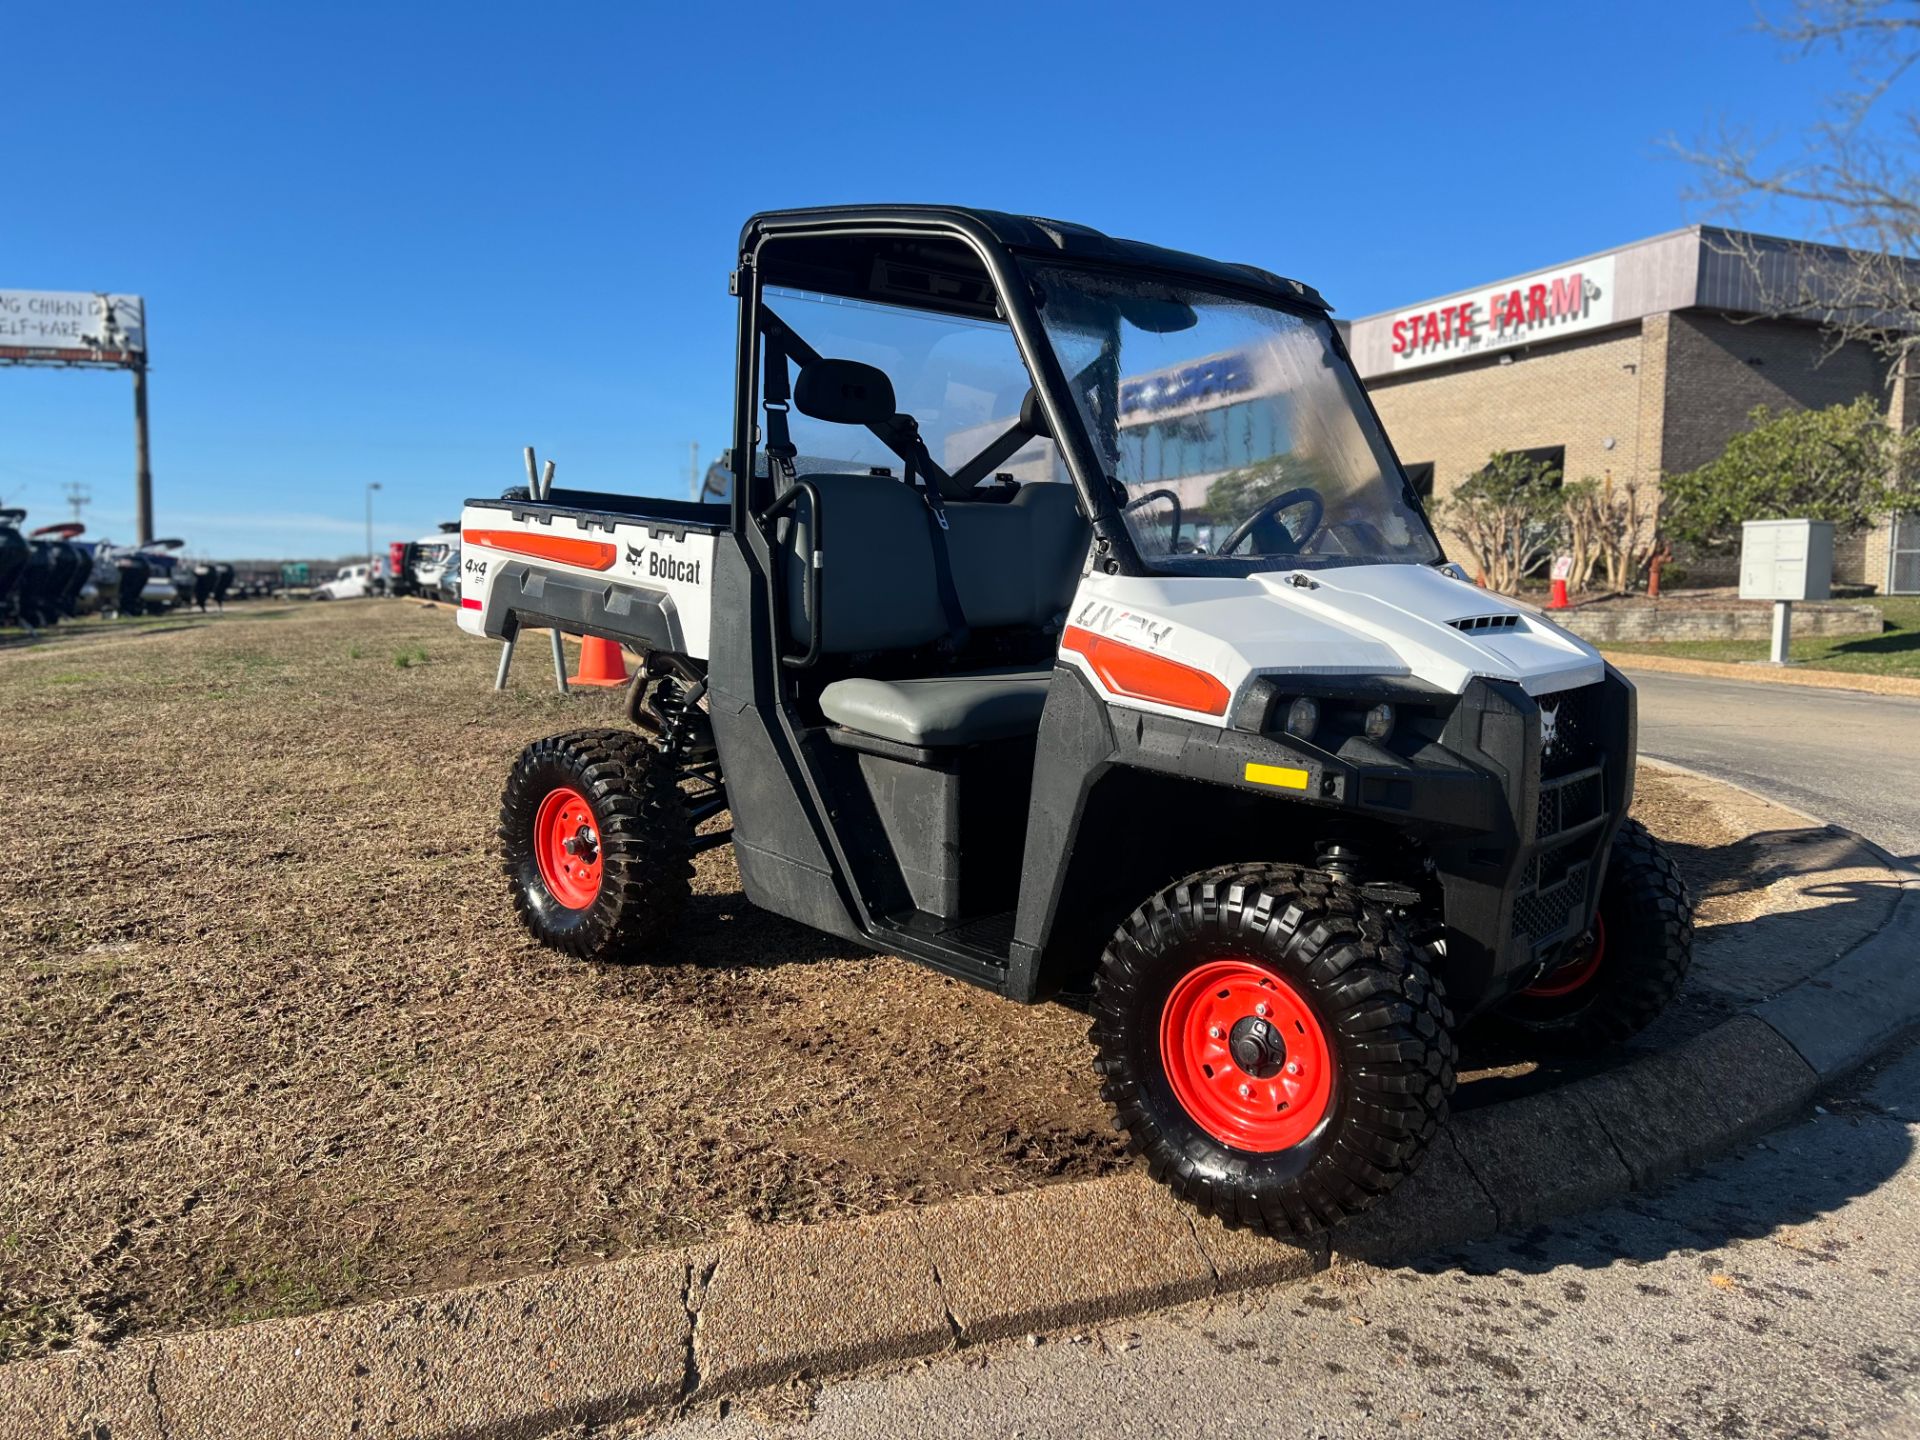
(964, 709)
(1015, 563)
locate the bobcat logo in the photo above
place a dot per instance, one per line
(1549, 725)
(636, 556)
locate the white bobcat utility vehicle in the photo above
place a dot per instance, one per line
(1071, 619)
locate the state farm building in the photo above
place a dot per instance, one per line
(1639, 361)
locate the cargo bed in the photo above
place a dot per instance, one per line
(632, 568)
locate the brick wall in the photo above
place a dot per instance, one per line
(1712, 384)
(1576, 393)
(1669, 391)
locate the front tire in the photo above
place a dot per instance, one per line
(1272, 1046)
(1625, 972)
(596, 843)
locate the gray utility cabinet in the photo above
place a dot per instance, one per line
(1786, 560)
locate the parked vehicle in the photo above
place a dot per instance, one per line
(431, 554)
(67, 568)
(351, 583)
(1165, 682)
(162, 591)
(448, 586)
(16, 554)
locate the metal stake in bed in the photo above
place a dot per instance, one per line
(539, 485)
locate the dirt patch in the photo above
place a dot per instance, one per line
(270, 1038)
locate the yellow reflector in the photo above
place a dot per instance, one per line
(1285, 776)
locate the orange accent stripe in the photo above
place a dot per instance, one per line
(587, 554)
(1141, 675)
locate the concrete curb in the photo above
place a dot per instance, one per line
(1765, 674)
(590, 1344)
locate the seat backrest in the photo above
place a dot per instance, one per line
(878, 588)
(1017, 562)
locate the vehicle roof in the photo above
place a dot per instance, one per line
(1034, 235)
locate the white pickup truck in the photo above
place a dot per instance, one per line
(353, 582)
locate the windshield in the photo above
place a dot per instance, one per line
(1238, 431)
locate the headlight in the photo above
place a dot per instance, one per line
(1379, 723)
(1303, 718)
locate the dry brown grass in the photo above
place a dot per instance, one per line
(270, 1038)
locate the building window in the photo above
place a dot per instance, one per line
(1552, 457)
(1420, 476)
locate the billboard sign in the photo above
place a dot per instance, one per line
(72, 327)
(1537, 307)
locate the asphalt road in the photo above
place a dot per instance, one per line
(1776, 1294)
(1850, 758)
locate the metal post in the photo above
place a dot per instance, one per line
(372, 485)
(541, 492)
(1782, 631)
(143, 470)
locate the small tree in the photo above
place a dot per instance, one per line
(1585, 524)
(1843, 464)
(1508, 516)
(1611, 526)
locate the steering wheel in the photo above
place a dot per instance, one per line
(1172, 499)
(1286, 499)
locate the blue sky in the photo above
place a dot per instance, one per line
(397, 242)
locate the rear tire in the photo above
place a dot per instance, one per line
(1630, 969)
(596, 844)
(1215, 1103)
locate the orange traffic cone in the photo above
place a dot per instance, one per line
(601, 663)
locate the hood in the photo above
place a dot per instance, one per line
(1407, 621)
(1446, 630)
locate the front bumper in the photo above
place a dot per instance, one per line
(1510, 801)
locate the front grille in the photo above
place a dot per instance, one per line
(1569, 802)
(1554, 885)
(1509, 621)
(1570, 737)
(1552, 888)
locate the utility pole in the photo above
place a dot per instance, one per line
(372, 485)
(693, 473)
(79, 497)
(143, 469)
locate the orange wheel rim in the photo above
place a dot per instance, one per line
(1245, 1056)
(566, 846)
(1576, 973)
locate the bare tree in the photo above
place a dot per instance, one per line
(1609, 524)
(1856, 174)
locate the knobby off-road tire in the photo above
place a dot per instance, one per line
(1630, 968)
(1177, 1030)
(621, 885)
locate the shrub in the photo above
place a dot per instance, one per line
(1508, 516)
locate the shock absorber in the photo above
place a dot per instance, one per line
(676, 708)
(665, 702)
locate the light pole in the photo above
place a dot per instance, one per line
(372, 573)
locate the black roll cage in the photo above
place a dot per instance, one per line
(986, 235)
